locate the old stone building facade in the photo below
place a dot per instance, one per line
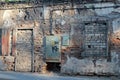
(83, 38)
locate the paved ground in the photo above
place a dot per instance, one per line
(34, 76)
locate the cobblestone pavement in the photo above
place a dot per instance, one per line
(35, 76)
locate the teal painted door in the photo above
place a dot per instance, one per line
(52, 49)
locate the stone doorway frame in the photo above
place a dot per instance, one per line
(14, 50)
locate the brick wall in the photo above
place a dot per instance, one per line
(66, 22)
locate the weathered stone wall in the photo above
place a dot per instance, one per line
(7, 63)
(87, 66)
(67, 22)
(23, 19)
(71, 22)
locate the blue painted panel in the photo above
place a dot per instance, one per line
(52, 49)
(65, 40)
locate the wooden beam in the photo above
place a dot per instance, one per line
(14, 42)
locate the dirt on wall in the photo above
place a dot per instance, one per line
(23, 19)
(64, 22)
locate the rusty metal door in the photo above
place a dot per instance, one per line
(52, 49)
(24, 48)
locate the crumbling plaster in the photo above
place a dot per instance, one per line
(71, 22)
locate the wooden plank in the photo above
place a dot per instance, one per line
(7, 42)
(4, 42)
(14, 43)
(32, 50)
(25, 28)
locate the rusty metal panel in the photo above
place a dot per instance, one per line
(52, 49)
(5, 42)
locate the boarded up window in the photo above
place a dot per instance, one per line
(95, 39)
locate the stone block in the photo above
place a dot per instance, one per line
(2, 66)
(9, 59)
(86, 66)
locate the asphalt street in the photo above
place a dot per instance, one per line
(36, 76)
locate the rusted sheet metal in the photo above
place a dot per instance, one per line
(5, 42)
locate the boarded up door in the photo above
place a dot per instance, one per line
(52, 49)
(24, 50)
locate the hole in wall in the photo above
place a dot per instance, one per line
(104, 23)
(87, 23)
(54, 67)
(89, 46)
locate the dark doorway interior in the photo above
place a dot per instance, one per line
(55, 67)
